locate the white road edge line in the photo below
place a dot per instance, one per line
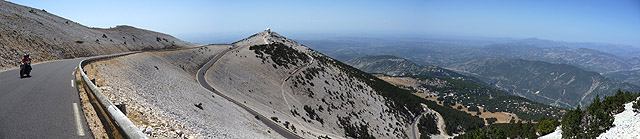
(78, 121)
(72, 83)
(74, 71)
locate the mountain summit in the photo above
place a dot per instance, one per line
(311, 94)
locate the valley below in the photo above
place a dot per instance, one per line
(501, 117)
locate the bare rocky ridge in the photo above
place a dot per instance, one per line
(165, 101)
(49, 37)
(304, 91)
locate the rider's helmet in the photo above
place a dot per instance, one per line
(26, 55)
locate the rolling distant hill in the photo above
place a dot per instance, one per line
(632, 76)
(556, 84)
(395, 66)
(623, 51)
(588, 59)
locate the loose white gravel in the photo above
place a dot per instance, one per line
(161, 92)
(554, 135)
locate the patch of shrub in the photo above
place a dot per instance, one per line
(491, 120)
(427, 125)
(546, 126)
(597, 118)
(199, 105)
(355, 131)
(636, 106)
(312, 114)
(474, 108)
(279, 53)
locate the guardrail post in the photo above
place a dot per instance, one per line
(122, 107)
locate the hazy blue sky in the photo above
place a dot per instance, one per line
(613, 21)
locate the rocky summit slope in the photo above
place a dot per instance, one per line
(556, 84)
(312, 97)
(311, 94)
(165, 101)
(49, 37)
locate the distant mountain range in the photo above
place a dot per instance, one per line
(561, 85)
(623, 51)
(525, 57)
(557, 84)
(451, 87)
(599, 57)
(588, 59)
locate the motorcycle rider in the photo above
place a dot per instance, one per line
(26, 59)
(25, 66)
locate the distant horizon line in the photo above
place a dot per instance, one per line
(200, 37)
(208, 38)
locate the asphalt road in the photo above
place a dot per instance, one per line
(200, 77)
(45, 105)
(414, 125)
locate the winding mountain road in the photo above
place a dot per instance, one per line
(45, 105)
(200, 77)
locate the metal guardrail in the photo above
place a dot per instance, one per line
(122, 122)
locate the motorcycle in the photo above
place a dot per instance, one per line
(25, 69)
